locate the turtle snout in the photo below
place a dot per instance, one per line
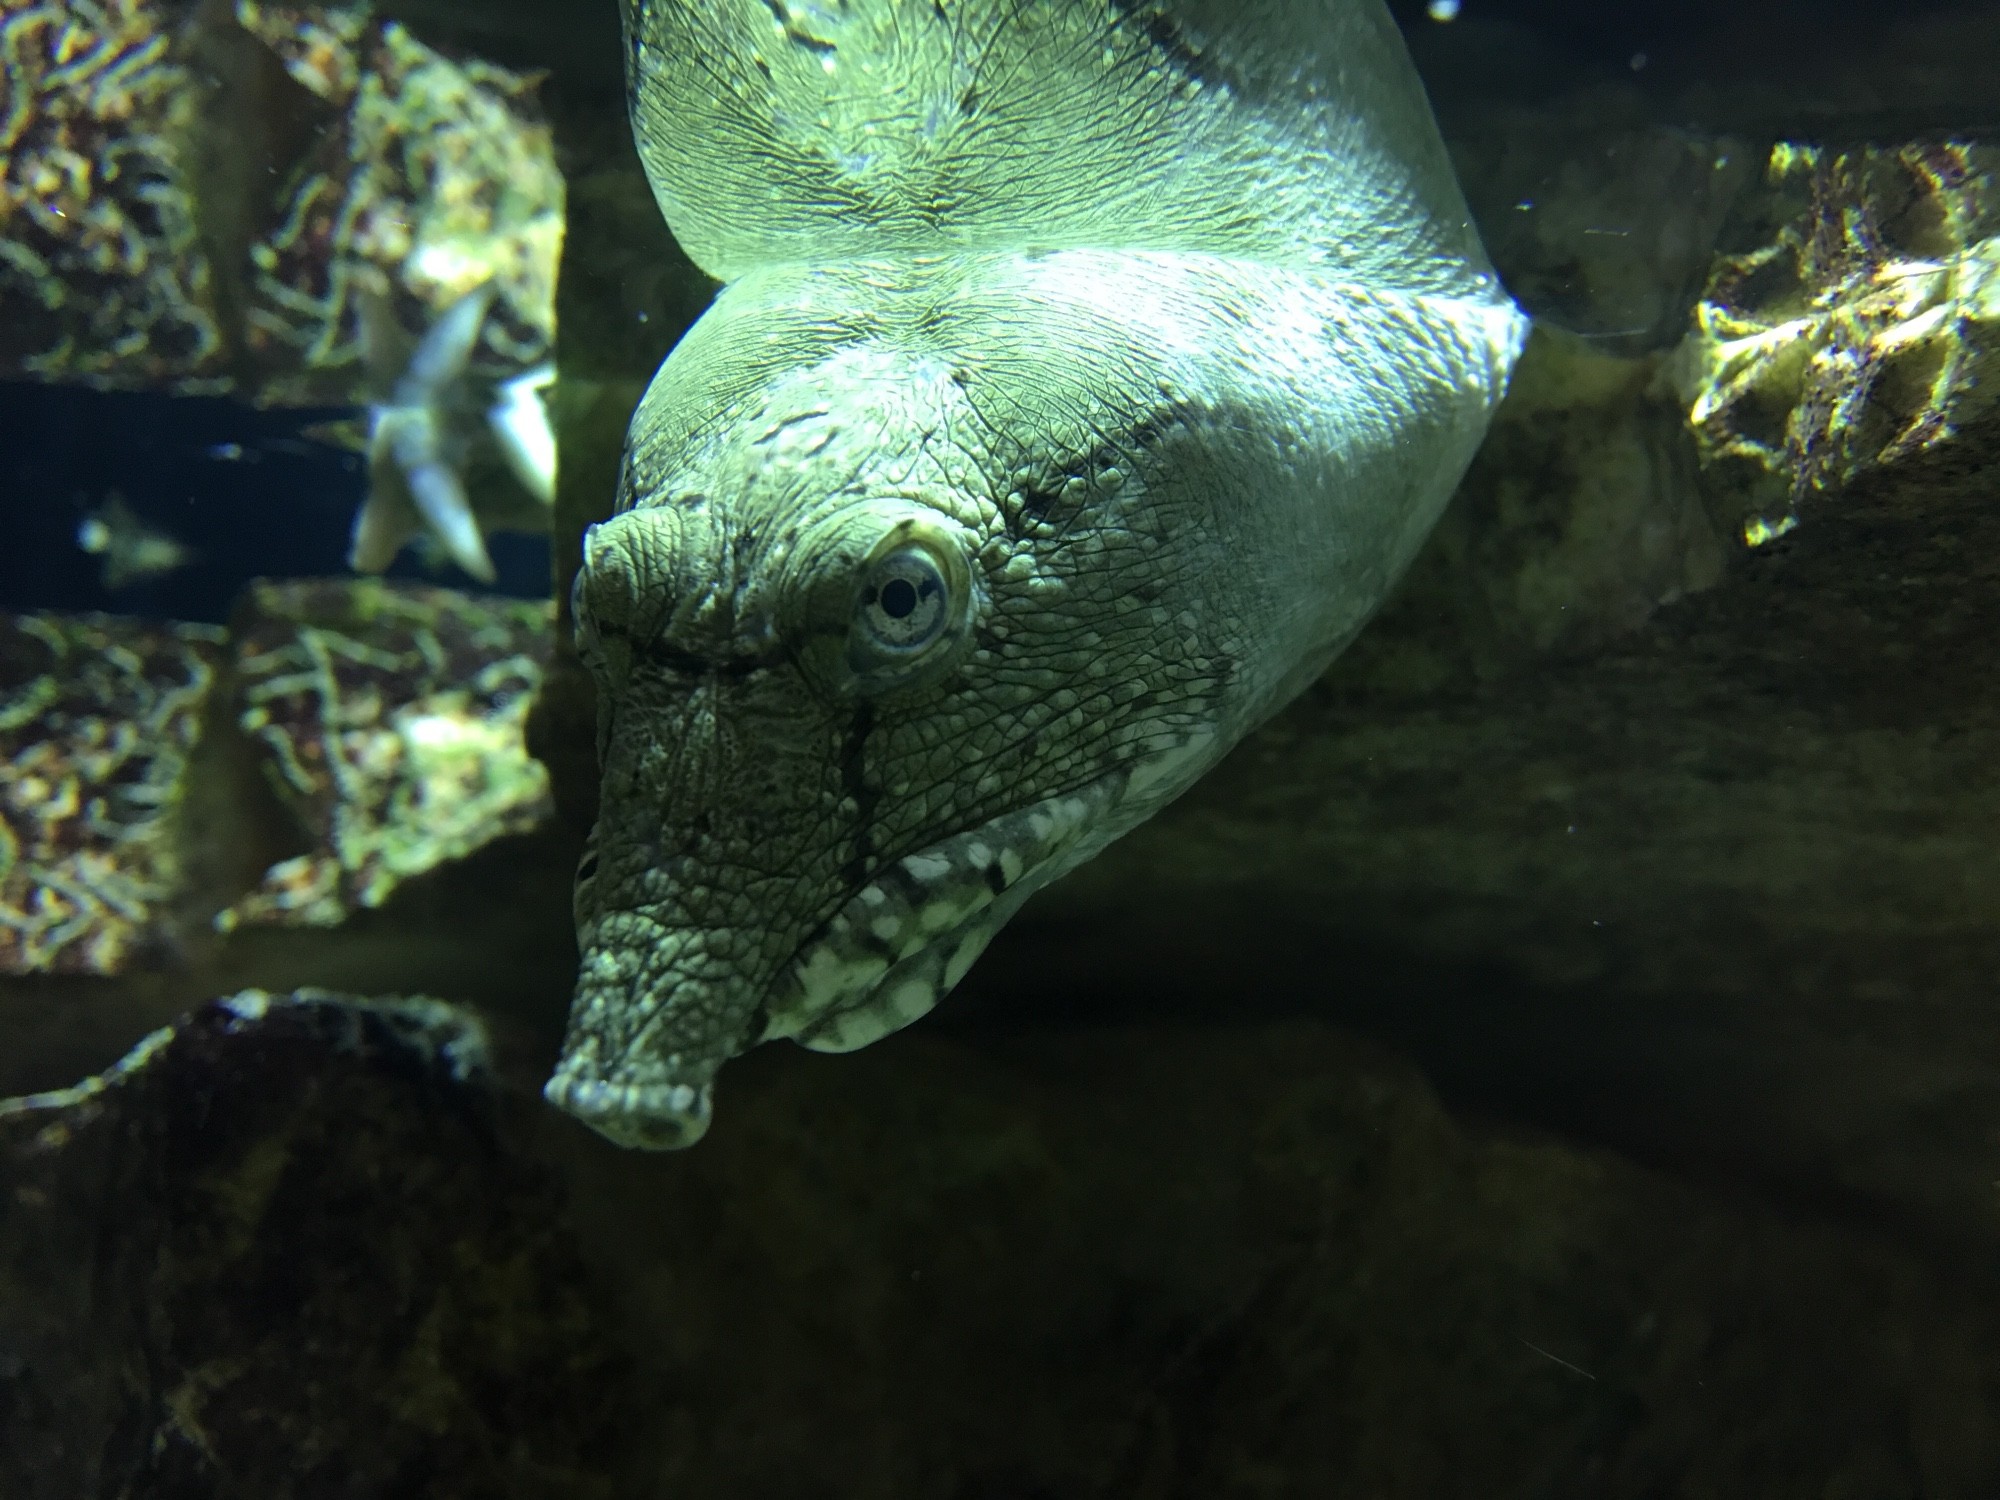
(655, 1117)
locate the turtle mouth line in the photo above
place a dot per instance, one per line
(645, 1116)
(902, 941)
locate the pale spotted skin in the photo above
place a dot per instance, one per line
(1085, 374)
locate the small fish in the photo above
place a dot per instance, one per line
(421, 432)
(133, 551)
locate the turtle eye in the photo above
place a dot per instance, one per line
(905, 604)
(883, 598)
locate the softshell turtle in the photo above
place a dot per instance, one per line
(1084, 374)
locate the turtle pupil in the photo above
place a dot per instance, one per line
(899, 598)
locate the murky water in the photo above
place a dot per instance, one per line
(1434, 614)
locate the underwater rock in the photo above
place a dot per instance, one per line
(419, 180)
(1233, 1258)
(308, 1244)
(390, 717)
(284, 203)
(320, 44)
(104, 276)
(1855, 336)
(1582, 515)
(283, 1250)
(98, 716)
(336, 791)
(387, 719)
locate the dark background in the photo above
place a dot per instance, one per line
(243, 488)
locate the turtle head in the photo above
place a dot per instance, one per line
(860, 693)
(1082, 378)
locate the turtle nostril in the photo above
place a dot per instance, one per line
(660, 1117)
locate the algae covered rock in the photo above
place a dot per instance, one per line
(334, 790)
(98, 716)
(282, 1250)
(385, 719)
(1857, 334)
(391, 721)
(301, 206)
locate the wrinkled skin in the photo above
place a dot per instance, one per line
(1085, 374)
